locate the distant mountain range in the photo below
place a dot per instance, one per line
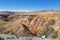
(31, 13)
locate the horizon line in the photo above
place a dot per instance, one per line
(27, 10)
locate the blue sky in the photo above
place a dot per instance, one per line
(29, 5)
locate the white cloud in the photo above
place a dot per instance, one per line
(18, 10)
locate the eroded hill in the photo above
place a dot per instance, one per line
(30, 24)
